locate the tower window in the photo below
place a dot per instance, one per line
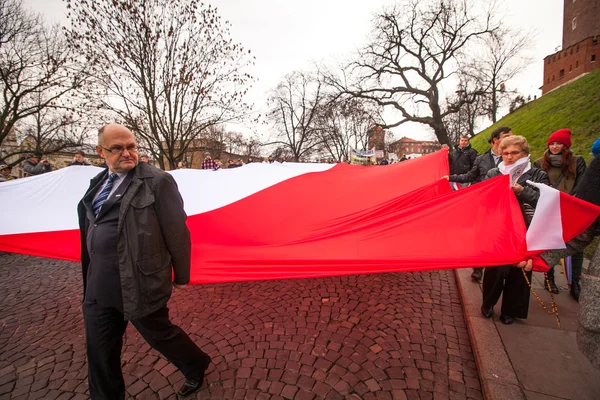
(574, 24)
(561, 74)
(593, 57)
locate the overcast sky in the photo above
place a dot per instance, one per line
(286, 35)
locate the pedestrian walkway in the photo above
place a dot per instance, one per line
(531, 359)
(386, 337)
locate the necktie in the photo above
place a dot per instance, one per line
(103, 195)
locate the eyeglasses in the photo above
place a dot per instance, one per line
(512, 153)
(119, 149)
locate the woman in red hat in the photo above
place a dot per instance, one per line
(565, 171)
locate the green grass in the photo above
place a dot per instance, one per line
(575, 106)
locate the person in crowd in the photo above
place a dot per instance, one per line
(240, 162)
(128, 273)
(33, 166)
(180, 165)
(565, 171)
(231, 164)
(282, 160)
(403, 158)
(462, 158)
(250, 160)
(384, 162)
(482, 164)
(144, 159)
(508, 280)
(588, 333)
(5, 175)
(79, 159)
(209, 163)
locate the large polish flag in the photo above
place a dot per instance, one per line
(277, 221)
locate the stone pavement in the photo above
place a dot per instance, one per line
(531, 359)
(391, 336)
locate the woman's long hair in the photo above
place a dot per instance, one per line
(568, 166)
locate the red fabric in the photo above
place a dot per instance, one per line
(62, 245)
(576, 215)
(425, 229)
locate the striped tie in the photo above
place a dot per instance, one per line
(103, 195)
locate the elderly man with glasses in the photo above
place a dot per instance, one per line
(133, 241)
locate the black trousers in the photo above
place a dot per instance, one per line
(509, 282)
(104, 329)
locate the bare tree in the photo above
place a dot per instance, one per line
(51, 130)
(413, 51)
(15, 21)
(498, 60)
(35, 67)
(169, 70)
(463, 122)
(344, 124)
(294, 108)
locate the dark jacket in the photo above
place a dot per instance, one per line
(481, 166)
(530, 195)
(567, 185)
(153, 240)
(462, 160)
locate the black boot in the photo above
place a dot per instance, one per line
(575, 290)
(550, 281)
(577, 265)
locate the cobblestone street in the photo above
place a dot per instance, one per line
(392, 336)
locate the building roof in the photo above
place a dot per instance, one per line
(409, 140)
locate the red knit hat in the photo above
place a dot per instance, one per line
(562, 135)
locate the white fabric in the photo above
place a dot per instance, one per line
(48, 202)
(545, 230)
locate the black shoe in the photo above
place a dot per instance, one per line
(188, 388)
(477, 274)
(191, 386)
(506, 319)
(575, 291)
(487, 313)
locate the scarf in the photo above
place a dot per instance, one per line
(555, 160)
(515, 170)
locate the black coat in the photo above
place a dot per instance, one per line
(462, 160)
(153, 241)
(480, 168)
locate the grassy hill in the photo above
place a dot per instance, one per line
(575, 106)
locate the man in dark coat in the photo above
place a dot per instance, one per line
(488, 160)
(133, 238)
(463, 157)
